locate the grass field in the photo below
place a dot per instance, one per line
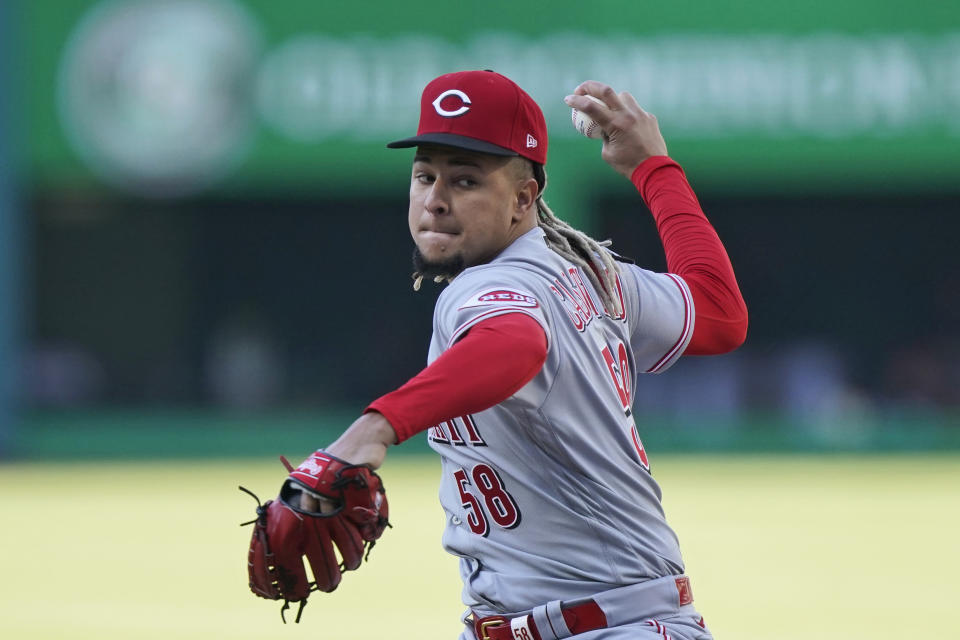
(778, 548)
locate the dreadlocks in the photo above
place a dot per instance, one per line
(590, 255)
(585, 252)
(576, 246)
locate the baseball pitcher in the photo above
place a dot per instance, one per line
(539, 341)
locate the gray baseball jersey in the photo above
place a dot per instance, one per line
(548, 495)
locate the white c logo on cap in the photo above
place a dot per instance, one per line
(452, 114)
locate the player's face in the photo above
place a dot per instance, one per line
(467, 207)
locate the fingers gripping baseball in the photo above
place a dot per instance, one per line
(630, 134)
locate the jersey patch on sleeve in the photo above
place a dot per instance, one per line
(501, 297)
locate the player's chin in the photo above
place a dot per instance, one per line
(435, 246)
(441, 264)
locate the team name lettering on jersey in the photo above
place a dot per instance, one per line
(458, 432)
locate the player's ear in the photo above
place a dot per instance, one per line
(527, 190)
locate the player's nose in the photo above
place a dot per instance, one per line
(437, 201)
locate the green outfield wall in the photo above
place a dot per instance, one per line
(167, 433)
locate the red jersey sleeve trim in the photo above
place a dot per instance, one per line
(684, 338)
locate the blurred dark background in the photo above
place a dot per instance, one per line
(241, 302)
(200, 225)
(258, 301)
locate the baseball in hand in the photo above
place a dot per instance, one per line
(585, 124)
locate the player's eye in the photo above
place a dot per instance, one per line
(423, 178)
(466, 182)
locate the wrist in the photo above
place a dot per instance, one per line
(377, 428)
(641, 174)
(365, 441)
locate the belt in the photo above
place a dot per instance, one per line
(584, 616)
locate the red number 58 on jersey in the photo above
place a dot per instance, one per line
(500, 505)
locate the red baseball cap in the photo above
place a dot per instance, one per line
(480, 111)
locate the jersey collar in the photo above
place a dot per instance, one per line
(522, 245)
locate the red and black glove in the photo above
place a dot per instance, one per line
(325, 502)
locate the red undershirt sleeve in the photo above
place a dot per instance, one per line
(695, 253)
(493, 361)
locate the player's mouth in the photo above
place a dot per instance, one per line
(433, 235)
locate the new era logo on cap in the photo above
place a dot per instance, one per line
(480, 111)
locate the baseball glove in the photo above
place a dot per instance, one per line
(325, 502)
